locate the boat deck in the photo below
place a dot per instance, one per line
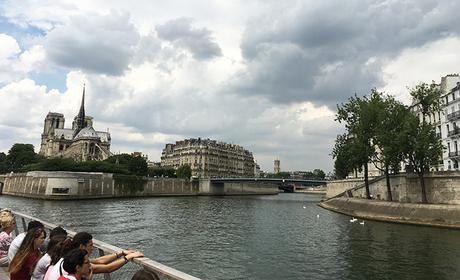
(4, 273)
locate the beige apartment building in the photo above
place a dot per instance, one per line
(209, 158)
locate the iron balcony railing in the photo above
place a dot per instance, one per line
(453, 132)
(453, 116)
(454, 154)
(125, 272)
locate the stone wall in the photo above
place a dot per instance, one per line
(441, 188)
(84, 185)
(408, 213)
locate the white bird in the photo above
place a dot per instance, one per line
(353, 219)
(361, 223)
(304, 207)
(317, 216)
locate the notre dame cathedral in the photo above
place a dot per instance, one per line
(81, 142)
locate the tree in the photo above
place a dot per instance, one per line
(360, 120)
(161, 172)
(138, 166)
(3, 163)
(390, 121)
(20, 155)
(184, 171)
(423, 146)
(319, 174)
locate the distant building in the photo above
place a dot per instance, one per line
(448, 122)
(81, 142)
(276, 166)
(209, 158)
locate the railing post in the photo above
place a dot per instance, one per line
(24, 227)
(102, 253)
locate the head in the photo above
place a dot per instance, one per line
(34, 224)
(77, 262)
(7, 222)
(145, 275)
(54, 243)
(58, 231)
(84, 241)
(33, 239)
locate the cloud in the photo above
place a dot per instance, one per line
(182, 34)
(94, 43)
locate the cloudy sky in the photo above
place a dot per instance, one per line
(266, 75)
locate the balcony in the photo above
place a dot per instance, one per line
(453, 116)
(454, 154)
(453, 132)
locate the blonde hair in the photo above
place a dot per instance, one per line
(6, 219)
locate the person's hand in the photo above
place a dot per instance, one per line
(126, 252)
(135, 254)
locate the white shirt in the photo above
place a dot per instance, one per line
(56, 270)
(15, 245)
(41, 267)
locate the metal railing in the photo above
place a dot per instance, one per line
(125, 272)
(453, 116)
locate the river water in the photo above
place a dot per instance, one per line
(257, 237)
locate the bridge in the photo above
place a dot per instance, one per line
(287, 185)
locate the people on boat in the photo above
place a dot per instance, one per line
(16, 243)
(103, 264)
(57, 236)
(28, 254)
(7, 225)
(77, 264)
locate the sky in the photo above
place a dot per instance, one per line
(266, 75)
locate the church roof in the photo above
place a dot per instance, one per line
(64, 133)
(87, 132)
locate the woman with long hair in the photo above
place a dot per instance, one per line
(23, 263)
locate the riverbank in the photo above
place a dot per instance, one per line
(436, 215)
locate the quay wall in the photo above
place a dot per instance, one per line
(439, 215)
(441, 188)
(86, 185)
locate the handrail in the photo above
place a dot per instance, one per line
(105, 248)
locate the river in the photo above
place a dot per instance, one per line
(257, 237)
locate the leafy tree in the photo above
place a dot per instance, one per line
(20, 155)
(161, 172)
(122, 159)
(3, 163)
(360, 118)
(319, 174)
(138, 165)
(282, 175)
(184, 171)
(390, 121)
(422, 145)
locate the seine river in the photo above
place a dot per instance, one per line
(257, 237)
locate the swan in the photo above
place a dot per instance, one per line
(353, 219)
(361, 223)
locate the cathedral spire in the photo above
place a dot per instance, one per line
(80, 118)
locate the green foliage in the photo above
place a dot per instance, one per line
(4, 168)
(161, 172)
(122, 159)
(427, 98)
(184, 171)
(282, 175)
(138, 165)
(20, 155)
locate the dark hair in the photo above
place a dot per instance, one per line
(26, 247)
(82, 238)
(58, 231)
(145, 275)
(53, 244)
(34, 224)
(72, 259)
(61, 249)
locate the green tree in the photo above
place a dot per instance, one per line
(391, 117)
(20, 155)
(122, 159)
(3, 163)
(184, 171)
(319, 174)
(138, 166)
(360, 118)
(423, 146)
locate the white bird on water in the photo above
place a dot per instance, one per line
(361, 223)
(317, 216)
(304, 207)
(353, 219)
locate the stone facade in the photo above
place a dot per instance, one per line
(81, 142)
(209, 158)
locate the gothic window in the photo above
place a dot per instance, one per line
(61, 147)
(57, 123)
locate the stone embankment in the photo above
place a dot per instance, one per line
(88, 185)
(439, 215)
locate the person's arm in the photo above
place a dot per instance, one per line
(111, 257)
(116, 264)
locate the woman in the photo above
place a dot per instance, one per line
(77, 264)
(23, 263)
(7, 225)
(45, 261)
